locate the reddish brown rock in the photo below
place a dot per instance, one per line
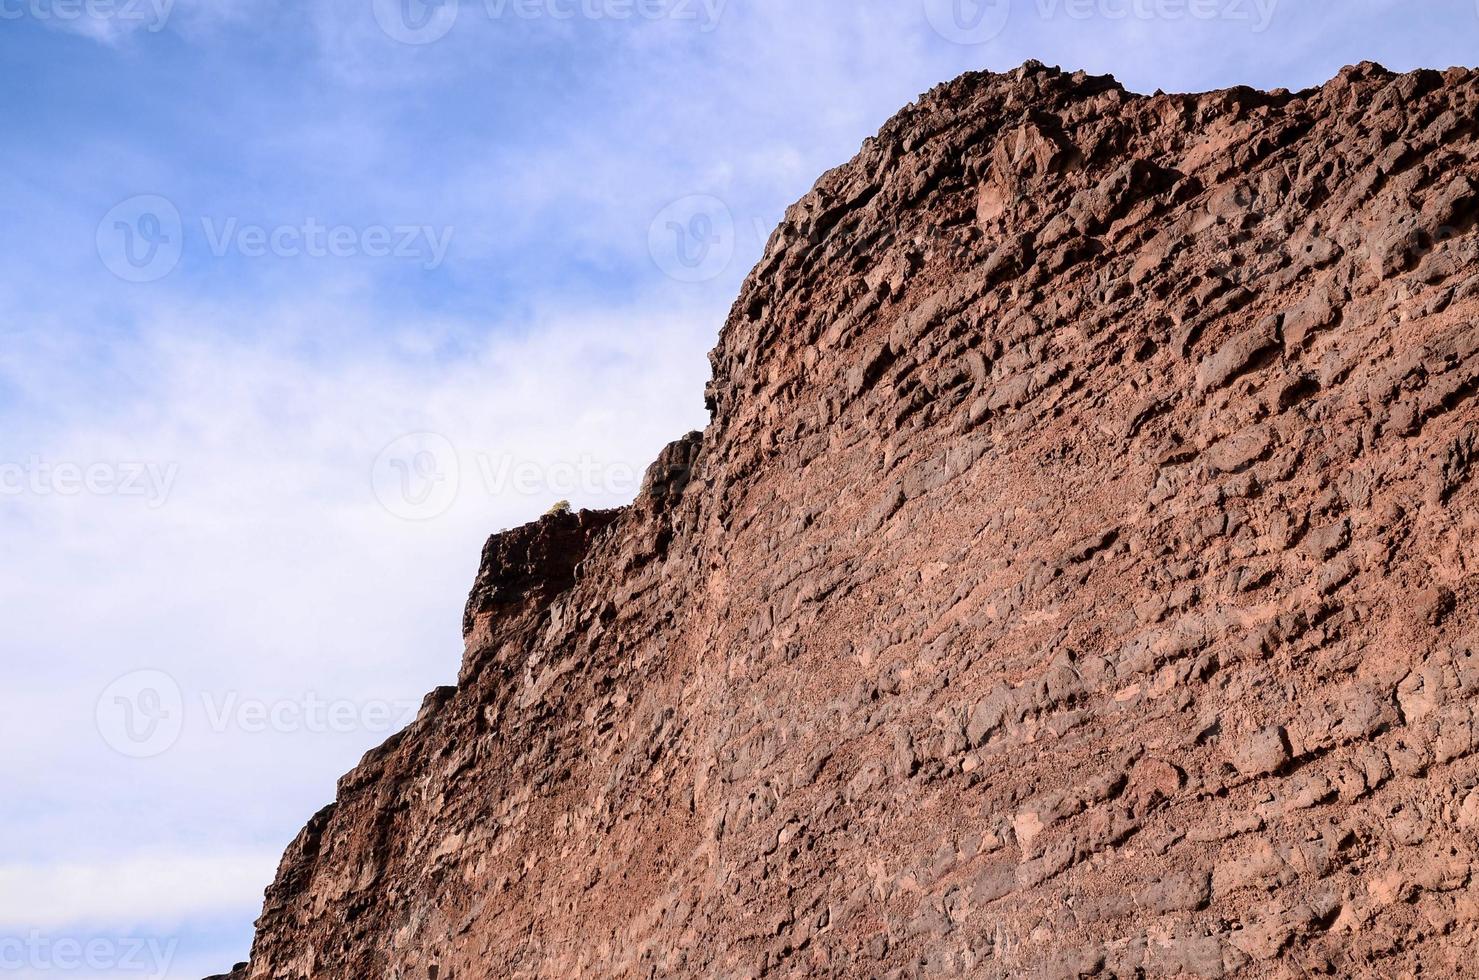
(1077, 579)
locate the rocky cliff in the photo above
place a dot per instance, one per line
(1077, 578)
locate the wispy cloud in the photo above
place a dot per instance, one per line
(142, 892)
(278, 561)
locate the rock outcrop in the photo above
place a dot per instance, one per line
(1077, 578)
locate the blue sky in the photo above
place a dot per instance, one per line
(295, 312)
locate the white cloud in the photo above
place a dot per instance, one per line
(139, 892)
(272, 572)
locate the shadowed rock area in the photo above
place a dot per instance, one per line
(1077, 578)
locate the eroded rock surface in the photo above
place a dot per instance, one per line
(1076, 579)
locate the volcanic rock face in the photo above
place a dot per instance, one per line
(1076, 579)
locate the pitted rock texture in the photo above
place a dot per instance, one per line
(1077, 579)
